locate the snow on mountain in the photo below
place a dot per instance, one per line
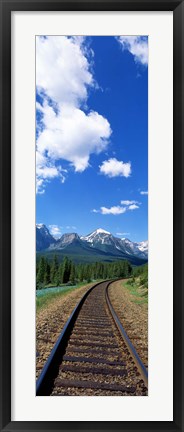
(103, 237)
(135, 248)
(100, 234)
(143, 246)
(43, 229)
(43, 237)
(102, 231)
(99, 239)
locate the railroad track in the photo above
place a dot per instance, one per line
(93, 355)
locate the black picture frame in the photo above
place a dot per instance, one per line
(6, 7)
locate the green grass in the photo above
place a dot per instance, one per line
(138, 291)
(45, 300)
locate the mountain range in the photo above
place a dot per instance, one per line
(98, 245)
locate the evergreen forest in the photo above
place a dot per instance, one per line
(53, 273)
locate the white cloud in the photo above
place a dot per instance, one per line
(126, 202)
(114, 168)
(40, 186)
(115, 210)
(62, 69)
(45, 171)
(73, 135)
(118, 209)
(137, 46)
(55, 230)
(133, 207)
(144, 192)
(65, 131)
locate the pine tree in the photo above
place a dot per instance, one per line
(88, 273)
(105, 272)
(127, 269)
(81, 273)
(72, 274)
(41, 272)
(54, 271)
(47, 273)
(60, 273)
(66, 270)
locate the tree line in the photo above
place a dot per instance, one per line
(55, 273)
(141, 273)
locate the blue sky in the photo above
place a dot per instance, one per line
(92, 135)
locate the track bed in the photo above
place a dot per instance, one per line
(96, 360)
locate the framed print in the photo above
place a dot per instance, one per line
(91, 163)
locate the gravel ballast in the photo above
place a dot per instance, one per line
(50, 321)
(133, 316)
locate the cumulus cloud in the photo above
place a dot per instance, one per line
(115, 210)
(73, 135)
(64, 130)
(40, 186)
(118, 209)
(114, 168)
(144, 192)
(55, 230)
(127, 202)
(133, 207)
(62, 69)
(45, 171)
(137, 46)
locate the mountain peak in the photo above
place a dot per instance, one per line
(70, 236)
(99, 241)
(40, 226)
(43, 229)
(43, 237)
(101, 231)
(66, 240)
(95, 235)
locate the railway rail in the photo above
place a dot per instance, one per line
(93, 354)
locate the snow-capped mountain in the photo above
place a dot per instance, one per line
(101, 237)
(98, 236)
(98, 243)
(43, 237)
(95, 234)
(143, 246)
(135, 248)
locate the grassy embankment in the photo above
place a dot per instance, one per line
(138, 285)
(47, 298)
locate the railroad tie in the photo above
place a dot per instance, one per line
(92, 333)
(93, 385)
(92, 351)
(93, 360)
(93, 370)
(81, 342)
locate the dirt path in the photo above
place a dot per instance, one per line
(133, 314)
(50, 320)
